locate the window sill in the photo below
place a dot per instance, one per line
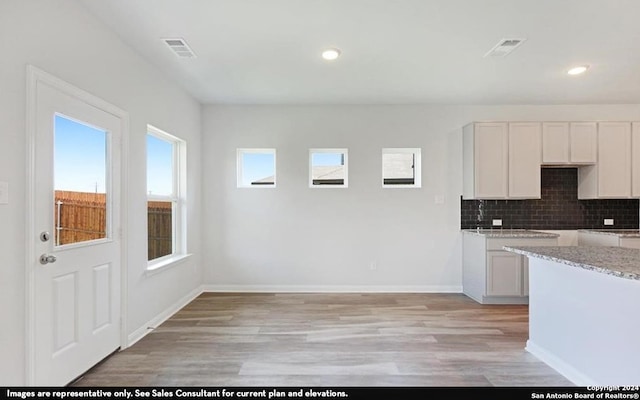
(157, 266)
(401, 186)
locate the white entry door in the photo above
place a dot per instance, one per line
(76, 280)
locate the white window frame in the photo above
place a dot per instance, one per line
(239, 158)
(346, 167)
(417, 166)
(177, 198)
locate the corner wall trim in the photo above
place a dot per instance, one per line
(148, 327)
(331, 289)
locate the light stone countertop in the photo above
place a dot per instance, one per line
(510, 233)
(617, 261)
(627, 233)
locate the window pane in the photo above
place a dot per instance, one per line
(327, 168)
(159, 167)
(80, 176)
(257, 168)
(159, 228)
(398, 168)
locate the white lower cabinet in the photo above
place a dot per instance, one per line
(621, 238)
(504, 274)
(491, 275)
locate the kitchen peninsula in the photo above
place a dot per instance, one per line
(584, 308)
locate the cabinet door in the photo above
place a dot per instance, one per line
(555, 143)
(504, 274)
(597, 239)
(490, 155)
(614, 159)
(633, 243)
(583, 142)
(635, 159)
(525, 152)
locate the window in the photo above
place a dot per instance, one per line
(401, 168)
(81, 211)
(166, 167)
(256, 168)
(328, 168)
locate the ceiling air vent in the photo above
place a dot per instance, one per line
(180, 47)
(504, 47)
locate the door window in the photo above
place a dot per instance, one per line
(80, 211)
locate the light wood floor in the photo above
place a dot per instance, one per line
(230, 339)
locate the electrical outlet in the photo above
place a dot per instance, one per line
(608, 221)
(373, 266)
(497, 222)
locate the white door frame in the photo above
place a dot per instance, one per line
(35, 75)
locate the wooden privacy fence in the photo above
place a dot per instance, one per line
(81, 216)
(159, 228)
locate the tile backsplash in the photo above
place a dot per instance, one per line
(559, 208)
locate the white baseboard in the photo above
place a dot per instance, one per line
(330, 289)
(163, 316)
(568, 371)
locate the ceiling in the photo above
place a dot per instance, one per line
(393, 51)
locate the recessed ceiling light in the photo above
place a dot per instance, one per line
(331, 54)
(578, 70)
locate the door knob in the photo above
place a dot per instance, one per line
(47, 258)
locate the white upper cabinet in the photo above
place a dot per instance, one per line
(502, 160)
(571, 143)
(485, 160)
(525, 152)
(611, 176)
(635, 159)
(583, 142)
(555, 142)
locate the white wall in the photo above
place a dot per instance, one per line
(291, 237)
(296, 238)
(63, 39)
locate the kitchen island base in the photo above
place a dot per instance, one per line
(583, 323)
